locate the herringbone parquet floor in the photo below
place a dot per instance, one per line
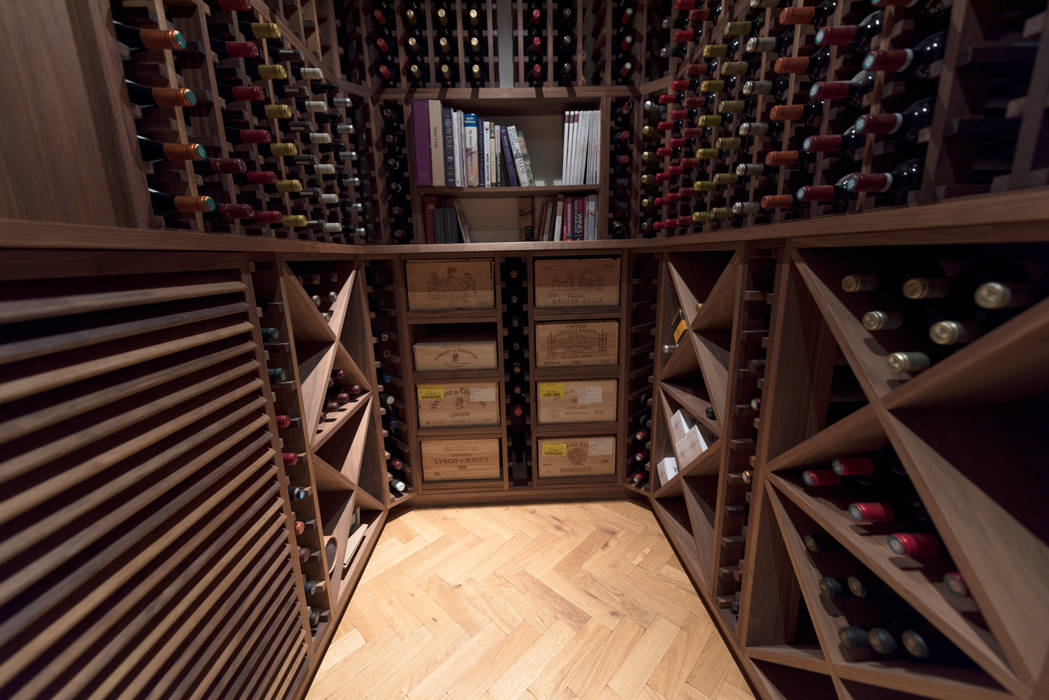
(527, 601)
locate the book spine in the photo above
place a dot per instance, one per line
(429, 205)
(508, 157)
(421, 145)
(436, 142)
(457, 143)
(580, 219)
(519, 165)
(482, 165)
(527, 158)
(448, 126)
(470, 149)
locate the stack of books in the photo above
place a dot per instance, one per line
(569, 219)
(457, 149)
(581, 150)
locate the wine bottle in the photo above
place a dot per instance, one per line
(855, 36)
(853, 89)
(165, 204)
(906, 123)
(813, 14)
(146, 96)
(139, 39)
(904, 62)
(156, 151)
(904, 177)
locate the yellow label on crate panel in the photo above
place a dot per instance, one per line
(430, 392)
(682, 326)
(555, 449)
(551, 390)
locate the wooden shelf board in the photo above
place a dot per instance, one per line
(682, 361)
(857, 433)
(421, 318)
(989, 523)
(508, 192)
(695, 405)
(571, 429)
(910, 583)
(684, 543)
(720, 305)
(353, 371)
(557, 374)
(459, 375)
(578, 313)
(807, 658)
(315, 365)
(340, 306)
(927, 680)
(308, 324)
(685, 298)
(713, 364)
(353, 576)
(346, 412)
(464, 431)
(701, 515)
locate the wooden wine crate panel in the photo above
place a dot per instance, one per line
(578, 344)
(581, 456)
(136, 431)
(592, 401)
(442, 285)
(451, 460)
(438, 357)
(576, 282)
(458, 404)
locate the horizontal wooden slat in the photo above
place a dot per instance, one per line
(59, 590)
(193, 605)
(108, 393)
(261, 674)
(62, 517)
(44, 381)
(208, 541)
(20, 350)
(131, 414)
(245, 672)
(48, 307)
(36, 495)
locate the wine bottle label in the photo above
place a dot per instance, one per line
(277, 111)
(272, 72)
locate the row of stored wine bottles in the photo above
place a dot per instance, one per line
(244, 136)
(555, 42)
(782, 112)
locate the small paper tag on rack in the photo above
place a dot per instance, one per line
(682, 326)
(430, 392)
(551, 390)
(555, 449)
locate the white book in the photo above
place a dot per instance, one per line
(564, 149)
(436, 142)
(591, 218)
(573, 152)
(519, 164)
(457, 148)
(462, 147)
(485, 137)
(593, 162)
(493, 157)
(584, 146)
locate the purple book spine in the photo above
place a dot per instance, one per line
(421, 131)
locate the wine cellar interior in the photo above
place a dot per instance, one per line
(279, 272)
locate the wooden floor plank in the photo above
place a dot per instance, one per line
(538, 601)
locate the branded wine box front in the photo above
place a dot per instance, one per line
(444, 285)
(458, 404)
(561, 282)
(577, 344)
(580, 456)
(453, 460)
(592, 401)
(455, 355)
